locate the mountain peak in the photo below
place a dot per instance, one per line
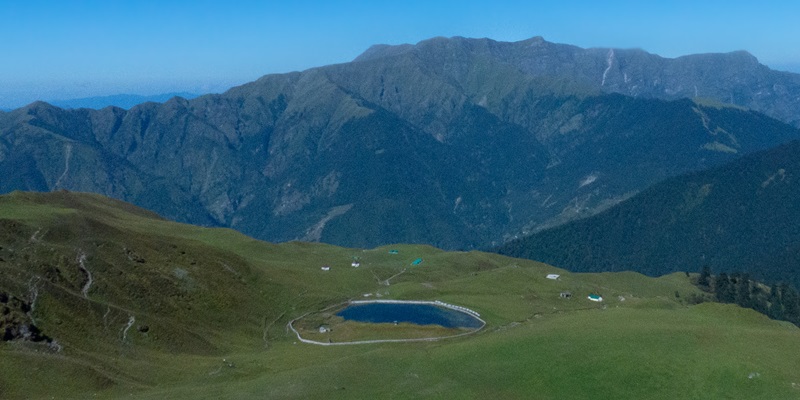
(377, 51)
(536, 40)
(744, 55)
(39, 104)
(38, 108)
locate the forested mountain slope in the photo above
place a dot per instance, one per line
(742, 216)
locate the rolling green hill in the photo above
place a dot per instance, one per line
(739, 217)
(129, 304)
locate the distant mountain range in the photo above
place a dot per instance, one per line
(459, 143)
(742, 216)
(125, 101)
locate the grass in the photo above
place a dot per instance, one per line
(216, 304)
(620, 353)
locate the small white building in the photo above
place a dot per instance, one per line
(554, 277)
(324, 329)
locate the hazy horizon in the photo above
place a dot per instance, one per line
(62, 51)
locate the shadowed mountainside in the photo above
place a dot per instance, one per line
(741, 216)
(454, 142)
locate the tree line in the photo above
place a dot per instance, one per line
(779, 301)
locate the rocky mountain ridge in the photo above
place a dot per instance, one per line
(734, 78)
(454, 142)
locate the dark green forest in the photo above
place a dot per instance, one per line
(742, 216)
(778, 301)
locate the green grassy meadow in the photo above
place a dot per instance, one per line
(215, 305)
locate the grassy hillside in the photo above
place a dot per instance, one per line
(145, 307)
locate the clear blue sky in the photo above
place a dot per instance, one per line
(71, 48)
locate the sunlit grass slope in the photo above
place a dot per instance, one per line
(177, 311)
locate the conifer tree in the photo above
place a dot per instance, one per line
(724, 289)
(775, 310)
(744, 297)
(703, 281)
(791, 304)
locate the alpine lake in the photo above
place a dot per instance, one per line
(387, 321)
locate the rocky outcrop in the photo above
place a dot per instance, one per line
(16, 322)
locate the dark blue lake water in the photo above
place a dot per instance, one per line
(420, 314)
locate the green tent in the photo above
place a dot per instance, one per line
(595, 297)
